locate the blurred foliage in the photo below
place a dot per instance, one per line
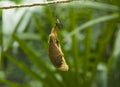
(89, 35)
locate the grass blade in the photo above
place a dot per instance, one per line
(94, 21)
(32, 55)
(11, 84)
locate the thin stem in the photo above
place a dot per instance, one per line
(35, 4)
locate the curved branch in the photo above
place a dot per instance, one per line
(35, 4)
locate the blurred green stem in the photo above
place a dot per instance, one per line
(75, 51)
(1, 49)
(12, 84)
(87, 53)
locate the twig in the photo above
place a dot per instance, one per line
(35, 4)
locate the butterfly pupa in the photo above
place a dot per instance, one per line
(55, 53)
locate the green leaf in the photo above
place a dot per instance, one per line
(33, 57)
(93, 22)
(117, 45)
(11, 84)
(28, 36)
(23, 67)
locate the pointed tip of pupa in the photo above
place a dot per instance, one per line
(63, 67)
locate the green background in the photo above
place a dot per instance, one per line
(89, 35)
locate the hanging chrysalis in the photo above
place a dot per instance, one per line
(55, 53)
